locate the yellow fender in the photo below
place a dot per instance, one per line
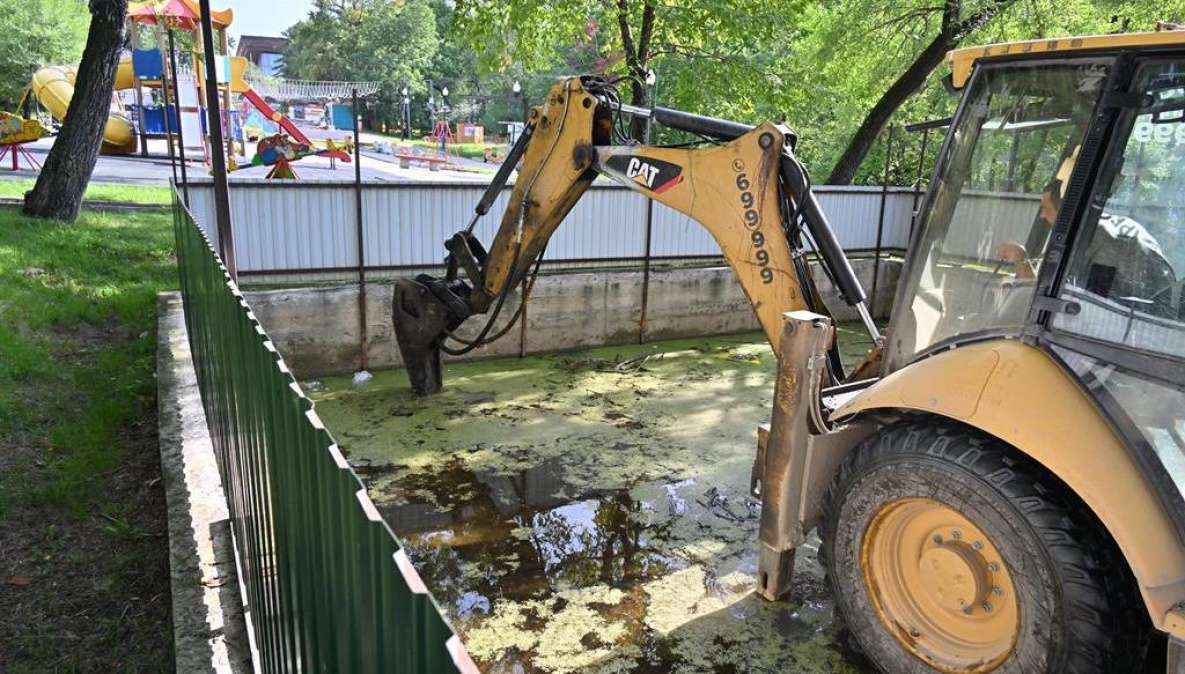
(1020, 395)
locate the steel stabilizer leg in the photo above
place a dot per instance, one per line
(776, 568)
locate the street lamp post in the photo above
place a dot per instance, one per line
(518, 93)
(406, 112)
(651, 81)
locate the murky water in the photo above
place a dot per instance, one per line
(590, 512)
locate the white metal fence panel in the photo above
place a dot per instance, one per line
(303, 227)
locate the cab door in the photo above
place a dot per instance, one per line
(1118, 322)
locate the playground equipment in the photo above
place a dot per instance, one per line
(178, 113)
(15, 132)
(442, 137)
(53, 87)
(279, 150)
(150, 68)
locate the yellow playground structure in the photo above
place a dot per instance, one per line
(142, 71)
(53, 87)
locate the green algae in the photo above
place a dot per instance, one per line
(590, 512)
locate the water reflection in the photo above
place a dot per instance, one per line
(540, 574)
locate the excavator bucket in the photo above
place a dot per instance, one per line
(424, 310)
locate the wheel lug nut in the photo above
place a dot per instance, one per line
(914, 633)
(938, 539)
(994, 567)
(956, 534)
(987, 606)
(978, 545)
(997, 590)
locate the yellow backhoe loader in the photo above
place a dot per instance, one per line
(999, 486)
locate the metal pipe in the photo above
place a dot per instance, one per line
(869, 324)
(165, 79)
(226, 244)
(880, 222)
(363, 338)
(917, 183)
(721, 129)
(180, 126)
(643, 324)
(503, 175)
(522, 327)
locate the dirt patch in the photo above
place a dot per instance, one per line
(85, 588)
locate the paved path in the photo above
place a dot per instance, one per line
(156, 170)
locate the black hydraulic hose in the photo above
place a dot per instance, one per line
(480, 339)
(831, 253)
(721, 129)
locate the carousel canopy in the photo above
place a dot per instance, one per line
(183, 14)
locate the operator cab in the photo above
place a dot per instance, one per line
(1056, 216)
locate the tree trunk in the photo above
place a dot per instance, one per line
(874, 122)
(952, 32)
(637, 57)
(67, 170)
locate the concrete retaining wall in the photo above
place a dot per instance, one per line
(317, 329)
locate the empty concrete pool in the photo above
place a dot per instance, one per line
(590, 511)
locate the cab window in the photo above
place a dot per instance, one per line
(1126, 269)
(995, 199)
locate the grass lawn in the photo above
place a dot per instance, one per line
(139, 194)
(84, 571)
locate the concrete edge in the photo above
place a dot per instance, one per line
(209, 627)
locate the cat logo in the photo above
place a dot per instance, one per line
(641, 172)
(652, 174)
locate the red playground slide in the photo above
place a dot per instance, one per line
(293, 131)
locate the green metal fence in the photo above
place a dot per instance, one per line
(328, 587)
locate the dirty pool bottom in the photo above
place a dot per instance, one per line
(590, 512)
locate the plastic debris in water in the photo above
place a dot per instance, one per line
(362, 378)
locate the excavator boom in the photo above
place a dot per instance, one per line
(745, 186)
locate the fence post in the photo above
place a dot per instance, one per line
(180, 117)
(643, 320)
(917, 183)
(226, 241)
(880, 222)
(522, 328)
(165, 78)
(363, 338)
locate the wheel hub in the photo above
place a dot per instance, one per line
(940, 586)
(954, 576)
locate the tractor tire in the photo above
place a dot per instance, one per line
(950, 551)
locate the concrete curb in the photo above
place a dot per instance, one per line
(209, 626)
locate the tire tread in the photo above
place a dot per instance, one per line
(1106, 623)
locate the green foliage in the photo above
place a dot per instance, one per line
(37, 33)
(388, 41)
(820, 66)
